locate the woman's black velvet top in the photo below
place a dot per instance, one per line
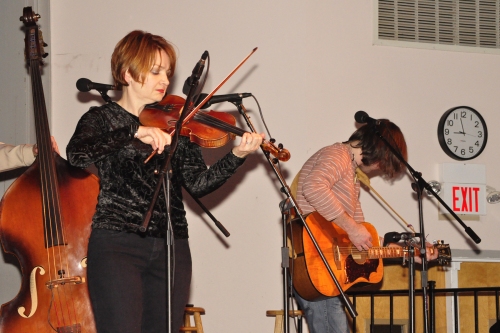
(105, 136)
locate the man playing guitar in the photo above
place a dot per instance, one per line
(327, 184)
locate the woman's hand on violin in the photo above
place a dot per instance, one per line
(250, 142)
(154, 137)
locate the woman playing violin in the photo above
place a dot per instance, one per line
(126, 268)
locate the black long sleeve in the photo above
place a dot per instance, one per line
(104, 136)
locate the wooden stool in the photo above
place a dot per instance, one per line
(278, 323)
(196, 312)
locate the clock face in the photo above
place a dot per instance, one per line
(462, 133)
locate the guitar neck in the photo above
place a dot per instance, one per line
(389, 252)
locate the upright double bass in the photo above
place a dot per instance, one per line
(45, 218)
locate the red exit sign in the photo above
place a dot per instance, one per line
(466, 198)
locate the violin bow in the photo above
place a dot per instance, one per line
(363, 178)
(193, 112)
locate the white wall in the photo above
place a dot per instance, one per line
(315, 67)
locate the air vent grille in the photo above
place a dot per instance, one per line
(471, 23)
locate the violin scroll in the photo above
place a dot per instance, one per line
(279, 152)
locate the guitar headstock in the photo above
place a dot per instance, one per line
(33, 38)
(444, 252)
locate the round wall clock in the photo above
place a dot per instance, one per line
(462, 133)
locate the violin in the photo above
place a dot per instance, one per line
(208, 129)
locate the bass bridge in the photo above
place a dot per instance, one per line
(76, 328)
(63, 281)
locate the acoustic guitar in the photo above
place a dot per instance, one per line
(350, 266)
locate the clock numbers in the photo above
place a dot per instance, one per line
(462, 133)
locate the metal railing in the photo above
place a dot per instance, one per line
(433, 294)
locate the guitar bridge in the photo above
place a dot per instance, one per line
(336, 254)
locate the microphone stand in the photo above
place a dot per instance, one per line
(205, 209)
(395, 237)
(286, 205)
(164, 180)
(418, 186)
(411, 291)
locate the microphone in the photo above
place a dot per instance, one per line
(363, 118)
(198, 69)
(221, 98)
(195, 74)
(394, 237)
(85, 85)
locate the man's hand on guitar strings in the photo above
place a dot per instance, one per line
(358, 235)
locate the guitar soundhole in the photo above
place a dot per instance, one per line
(355, 271)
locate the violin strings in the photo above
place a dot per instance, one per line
(217, 123)
(214, 122)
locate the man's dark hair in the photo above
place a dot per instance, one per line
(375, 150)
